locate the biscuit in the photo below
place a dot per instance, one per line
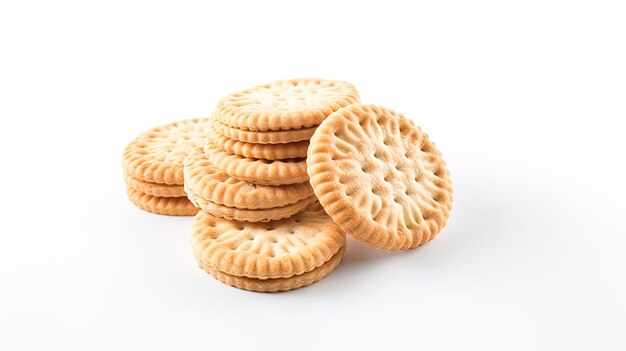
(278, 284)
(157, 155)
(264, 151)
(258, 171)
(155, 189)
(214, 185)
(278, 249)
(380, 177)
(269, 137)
(248, 215)
(285, 104)
(175, 206)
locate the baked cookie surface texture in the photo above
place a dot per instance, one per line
(286, 249)
(379, 177)
(285, 104)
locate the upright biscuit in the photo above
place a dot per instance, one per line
(157, 155)
(278, 249)
(174, 206)
(258, 171)
(268, 137)
(379, 177)
(286, 104)
(212, 184)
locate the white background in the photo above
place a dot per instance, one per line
(525, 99)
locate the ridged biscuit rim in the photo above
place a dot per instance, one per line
(285, 112)
(264, 151)
(155, 189)
(249, 215)
(257, 171)
(276, 249)
(325, 151)
(172, 206)
(268, 137)
(140, 165)
(278, 284)
(215, 185)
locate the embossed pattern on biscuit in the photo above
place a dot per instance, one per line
(286, 104)
(380, 177)
(157, 155)
(278, 249)
(212, 184)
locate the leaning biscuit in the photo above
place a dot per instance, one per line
(380, 177)
(157, 155)
(269, 137)
(174, 206)
(286, 104)
(278, 284)
(214, 185)
(257, 171)
(155, 189)
(278, 249)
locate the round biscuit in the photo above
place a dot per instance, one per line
(278, 284)
(277, 249)
(174, 206)
(264, 151)
(249, 215)
(268, 137)
(257, 171)
(155, 189)
(208, 182)
(157, 155)
(380, 177)
(285, 104)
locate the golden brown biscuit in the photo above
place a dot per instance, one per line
(278, 284)
(155, 189)
(249, 215)
(257, 171)
(174, 206)
(285, 104)
(264, 151)
(269, 137)
(380, 177)
(157, 155)
(278, 249)
(214, 185)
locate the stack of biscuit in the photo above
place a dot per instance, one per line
(282, 173)
(252, 166)
(250, 175)
(153, 166)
